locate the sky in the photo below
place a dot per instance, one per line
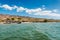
(33, 8)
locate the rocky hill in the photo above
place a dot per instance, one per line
(18, 19)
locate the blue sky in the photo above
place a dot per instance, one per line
(33, 8)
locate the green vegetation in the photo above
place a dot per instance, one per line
(12, 19)
(45, 20)
(19, 19)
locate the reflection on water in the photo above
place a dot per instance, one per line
(30, 31)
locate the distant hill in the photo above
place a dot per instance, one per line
(14, 19)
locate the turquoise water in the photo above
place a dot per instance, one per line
(30, 31)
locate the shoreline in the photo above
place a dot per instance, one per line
(28, 22)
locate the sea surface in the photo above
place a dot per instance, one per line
(30, 31)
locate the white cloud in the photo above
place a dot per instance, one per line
(55, 10)
(30, 11)
(43, 7)
(14, 7)
(37, 11)
(6, 7)
(42, 12)
(19, 9)
(46, 12)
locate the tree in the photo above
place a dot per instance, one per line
(45, 20)
(7, 19)
(19, 19)
(12, 19)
